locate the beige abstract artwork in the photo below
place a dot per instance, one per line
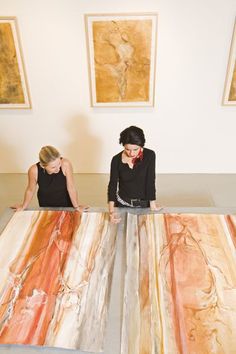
(11, 90)
(180, 284)
(13, 86)
(229, 97)
(122, 57)
(55, 275)
(232, 92)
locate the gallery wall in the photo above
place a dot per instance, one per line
(188, 127)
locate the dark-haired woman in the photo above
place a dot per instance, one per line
(132, 174)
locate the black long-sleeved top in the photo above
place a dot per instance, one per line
(134, 183)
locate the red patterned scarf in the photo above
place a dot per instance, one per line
(138, 158)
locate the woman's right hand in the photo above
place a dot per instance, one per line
(17, 207)
(114, 218)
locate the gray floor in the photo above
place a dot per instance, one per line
(173, 190)
(176, 192)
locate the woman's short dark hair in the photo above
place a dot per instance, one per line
(132, 135)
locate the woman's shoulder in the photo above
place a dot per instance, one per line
(33, 171)
(65, 162)
(117, 157)
(66, 167)
(34, 168)
(148, 152)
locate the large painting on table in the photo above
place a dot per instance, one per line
(122, 56)
(55, 275)
(230, 84)
(14, 91)
(180, 284)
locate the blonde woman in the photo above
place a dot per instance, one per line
(54, 176)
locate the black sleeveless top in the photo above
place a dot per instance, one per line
(52, 191)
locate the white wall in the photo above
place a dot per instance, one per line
(188, 127)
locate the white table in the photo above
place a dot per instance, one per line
(113, 329)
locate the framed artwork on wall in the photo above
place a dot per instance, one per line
(229, 97)
(14, 92)
(122, 58)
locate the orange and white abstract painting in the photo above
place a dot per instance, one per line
(55, 275)
(180, 284)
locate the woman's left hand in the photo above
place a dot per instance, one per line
(154, 206)
(82, 208)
